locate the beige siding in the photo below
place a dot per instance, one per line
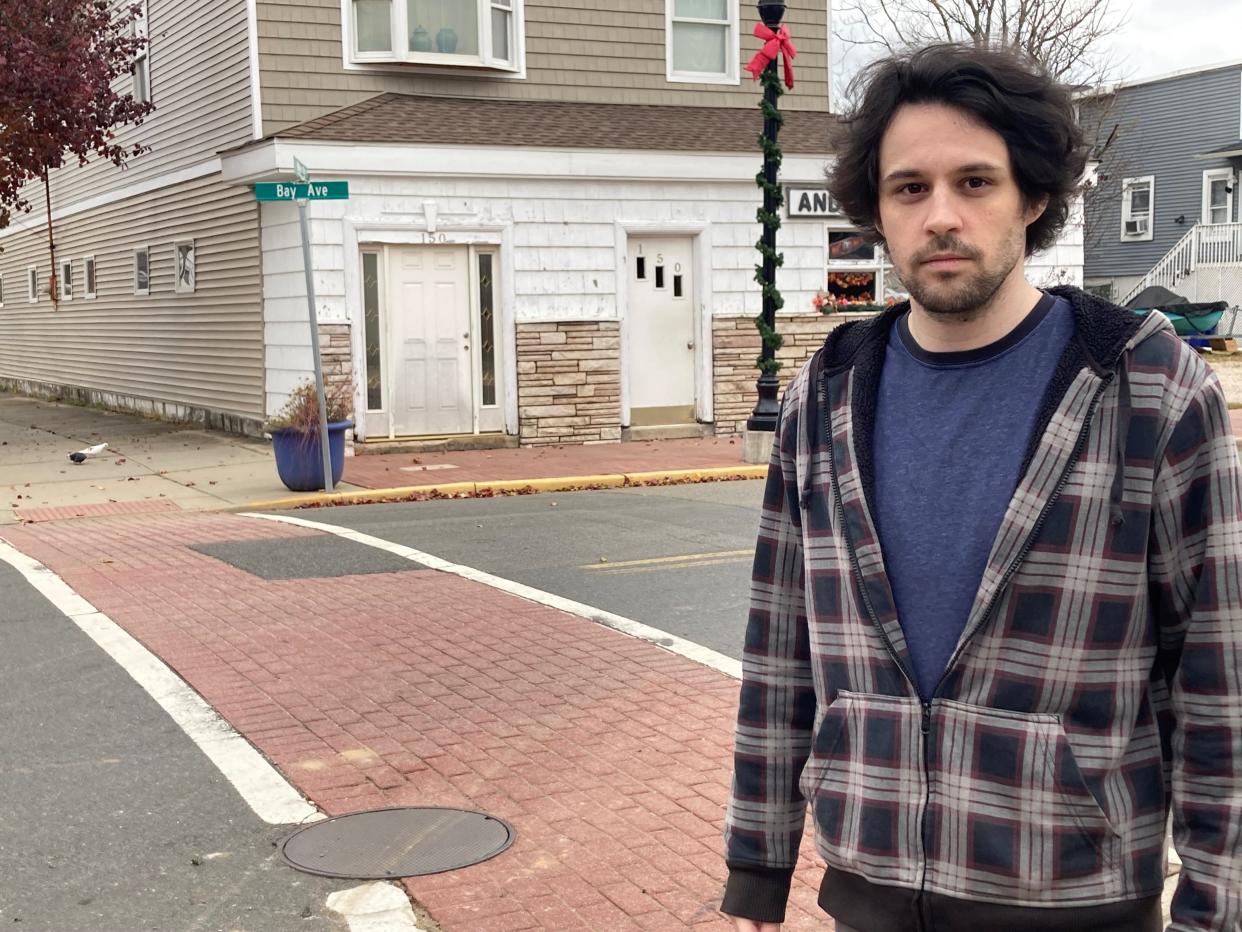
(200, 83)
(605, 51)
(203, 349)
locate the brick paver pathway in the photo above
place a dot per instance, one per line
(385, 471)
(609, 755)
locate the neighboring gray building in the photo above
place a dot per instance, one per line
(1164, 210)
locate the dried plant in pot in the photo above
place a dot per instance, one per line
(295, 435)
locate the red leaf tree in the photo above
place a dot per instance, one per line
(59, 65)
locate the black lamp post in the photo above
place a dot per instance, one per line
(767, 408)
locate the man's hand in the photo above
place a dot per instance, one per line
(750, 925)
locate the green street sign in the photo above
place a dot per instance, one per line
(312, 191)
(300, 171)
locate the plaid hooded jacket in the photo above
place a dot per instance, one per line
(1097, 683)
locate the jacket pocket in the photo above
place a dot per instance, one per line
(864, 782)
(1011, 819)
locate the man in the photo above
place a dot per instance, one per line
(996, 616)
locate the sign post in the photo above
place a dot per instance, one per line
(302, 192)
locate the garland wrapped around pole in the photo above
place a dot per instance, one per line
(765, 67)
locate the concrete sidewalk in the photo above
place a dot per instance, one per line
(154, 466)
(609, 755)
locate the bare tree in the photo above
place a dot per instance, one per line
(1064, 35)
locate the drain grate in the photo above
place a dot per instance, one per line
(406, 842)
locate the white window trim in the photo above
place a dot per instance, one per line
(401, 59)
(91, 293)
(177, 286)
(1126, 185)
(62, 294)
(32, 295)
(143, 56)
(137, 290)
(1, 289)
(1217, 174)
(733, 50)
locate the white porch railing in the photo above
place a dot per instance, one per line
(1204, 265)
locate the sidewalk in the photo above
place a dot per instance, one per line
(609, 755)
(152, 466)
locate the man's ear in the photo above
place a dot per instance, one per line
(1035, 209)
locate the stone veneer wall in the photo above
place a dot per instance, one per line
(735, 343)
(569, 382)
(337, 356)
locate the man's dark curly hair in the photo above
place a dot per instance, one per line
(1012, 95)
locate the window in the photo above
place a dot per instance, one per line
(142, 270)
(183, 250)
(479, 33)
(32, 284)
(858, 272)
(487, 327)
(141, 68)
(88, 277)
(1138, 197)
(1218, 195)
(703, 41)
(371, 316)
(66, 280)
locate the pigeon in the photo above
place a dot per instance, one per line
(81, 455)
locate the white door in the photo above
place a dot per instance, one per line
(660, 323)
(432, 377)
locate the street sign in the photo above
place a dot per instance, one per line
(311, 191)
(300, 172)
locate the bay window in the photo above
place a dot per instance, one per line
(469, 33)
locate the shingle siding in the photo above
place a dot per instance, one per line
(1161, 127)
(601, 51)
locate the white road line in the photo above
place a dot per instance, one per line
(263, 788)
(374, 907)
(678, 645)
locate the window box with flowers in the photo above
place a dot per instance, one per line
(858, 276)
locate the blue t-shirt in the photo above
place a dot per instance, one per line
(951, 432)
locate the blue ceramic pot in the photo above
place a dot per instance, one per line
(298, 460)
(446, 40)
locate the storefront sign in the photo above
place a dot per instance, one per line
(811, 203)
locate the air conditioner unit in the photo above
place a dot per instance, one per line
(1136, 227)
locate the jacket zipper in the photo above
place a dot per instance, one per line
(924, 919)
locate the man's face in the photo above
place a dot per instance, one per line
(946, 190)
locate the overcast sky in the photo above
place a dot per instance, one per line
(1159, 36)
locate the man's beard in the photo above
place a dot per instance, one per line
(964, 296)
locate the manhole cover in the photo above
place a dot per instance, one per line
(388, 843)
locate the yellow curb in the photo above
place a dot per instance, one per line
(560, 484)
(364, 497)
(557, 484)
(715, 472)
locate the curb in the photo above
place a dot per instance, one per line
(513, 486)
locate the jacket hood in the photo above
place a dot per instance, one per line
(1103, 333)
(1103, 329)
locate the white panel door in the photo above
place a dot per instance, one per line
(660, 323)
(432, 378)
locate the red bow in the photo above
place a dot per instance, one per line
(774, 43)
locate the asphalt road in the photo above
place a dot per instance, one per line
(674, 557)
(111, 819)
